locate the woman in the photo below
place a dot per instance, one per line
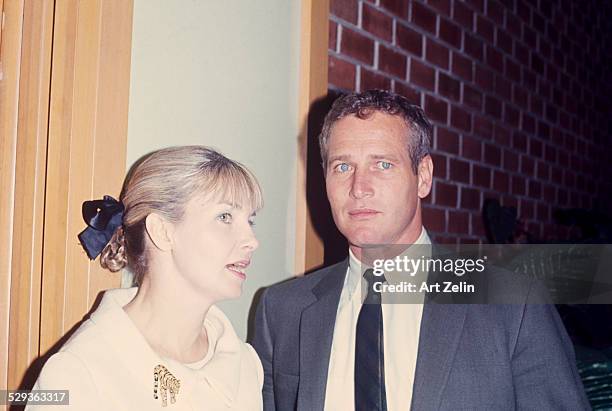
(183, 226)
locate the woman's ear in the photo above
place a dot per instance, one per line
(159, 231)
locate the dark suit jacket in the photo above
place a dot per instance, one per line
(470, 356)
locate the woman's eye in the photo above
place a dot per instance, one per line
(385, 165)
(342, 167)
(251, 222)
(225, 218)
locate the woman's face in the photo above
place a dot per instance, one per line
(213, 246)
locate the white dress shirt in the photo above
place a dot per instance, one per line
(401, 328)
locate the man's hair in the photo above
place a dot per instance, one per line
(365, 104)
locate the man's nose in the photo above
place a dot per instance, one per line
(361, 186)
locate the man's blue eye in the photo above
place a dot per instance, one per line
(343, 168)
(385, 165)
(225, 218)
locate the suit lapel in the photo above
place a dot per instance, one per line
(441, 328)
(316, 334)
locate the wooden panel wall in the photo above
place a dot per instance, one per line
(63, 110)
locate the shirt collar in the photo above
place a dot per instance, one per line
(357, 268)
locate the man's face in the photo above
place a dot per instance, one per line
(373, 192)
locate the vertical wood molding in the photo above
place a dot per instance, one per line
(313, 85)
(87, 150)
(10, 59)
(29, 188)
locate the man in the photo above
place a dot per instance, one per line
(311, 332)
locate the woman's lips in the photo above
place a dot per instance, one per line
(363, 213)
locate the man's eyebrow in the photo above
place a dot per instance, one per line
(340, 157)
(391, 157)
(233, 205)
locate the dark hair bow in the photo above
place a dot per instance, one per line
(103, 217)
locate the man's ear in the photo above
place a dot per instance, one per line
(159, 231)
(425, 176)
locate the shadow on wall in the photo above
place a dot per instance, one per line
(335, 245)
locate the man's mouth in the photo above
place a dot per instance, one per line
(363, 213)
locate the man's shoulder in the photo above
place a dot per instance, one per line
(296, 287)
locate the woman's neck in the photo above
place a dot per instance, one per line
(171, 321)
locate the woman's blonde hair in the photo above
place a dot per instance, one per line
(162, 182)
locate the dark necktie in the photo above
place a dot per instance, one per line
(369, 352)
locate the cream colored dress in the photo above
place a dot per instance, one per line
(108, 365)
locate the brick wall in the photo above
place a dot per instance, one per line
(518, 92)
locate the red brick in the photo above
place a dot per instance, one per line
(333, 30)
(341, 73)
(492, 155)
(535, 189)
(459, 170)
(503, 88)
(392, 62)
(527, 209)
(447, 141)
(504, 41)
(458, 222)
(519, 96)
(494, 59)
(493, 106)
(521, 53)
(550, 154)
(397, 7)
(481, 176)
(434, 219)
(511, 116)
(483, 127)
(524, 10)
(436, 109)
(535, 148)
(477, 225)
(470, 198)
(371, 80)
(495, 11)
(528, 123)
(376, 22)
(357, 46)
(409, 40)
(422, 75)
(510, 162)
(461, 119)
(423, 17)
(518, 185)
(463, 15)
(477, 5)
(345, 9)
(543, 171)
(472, 97)
(411, 94)
(442, 6)
(519, 142)
(437, 54)
(450, 33)
(446, 194)
(485, 79)
(474, 46)
(462, 66)
(513, 24)
(439, 163)
(501, 182)
(527, 166)
(512, 70)
(501, 135)
(449, 87)
(471, 148)
(530, 37)
(485, 29)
